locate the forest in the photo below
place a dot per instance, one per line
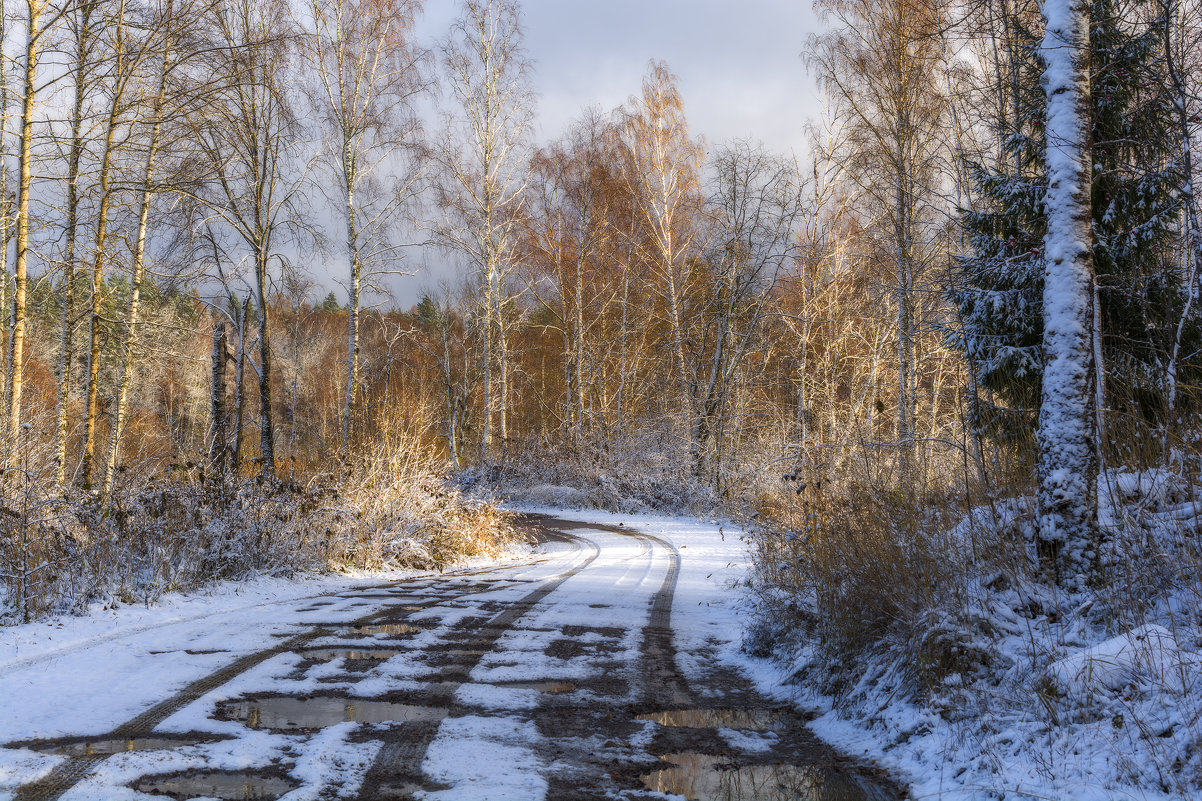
(944, 362)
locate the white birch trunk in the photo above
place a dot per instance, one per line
(1068, 467)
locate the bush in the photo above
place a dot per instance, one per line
(60, 550)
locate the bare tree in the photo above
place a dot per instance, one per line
(663, 169)
(82, 20)
(248, 136)
(371, 72)
(482, 186)
(881, 65)
(1179, 24)
(757, 200)
(122, 57)
(570, 230)
(165, 27)
(40, 17)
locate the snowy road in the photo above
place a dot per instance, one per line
(604, 665)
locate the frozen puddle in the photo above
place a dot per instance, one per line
(702, 777)
(747, 719)
(235, 786)
(290, 713)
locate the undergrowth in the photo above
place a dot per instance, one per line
(928, 611)
(62, 549)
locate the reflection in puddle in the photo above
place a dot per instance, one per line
(116, 746)
(288, 713)
(703, 777)
(387, 629)
(236, 786)
(330, 654)
(754, 719)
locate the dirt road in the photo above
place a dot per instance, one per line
(559, 676)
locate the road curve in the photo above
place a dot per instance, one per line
(555, 677)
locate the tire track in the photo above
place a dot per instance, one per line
(397, 765)
(663, 685)
(20, 663)
(66, 775)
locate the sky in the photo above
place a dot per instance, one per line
(738, 63)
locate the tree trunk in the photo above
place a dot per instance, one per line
(218, 435)
(5, 205)
(243, 312)
(16, 365)
(67, 338)
(92, 404)
(352, 335)
(135, 289)
(1068, 467)
(266, 418)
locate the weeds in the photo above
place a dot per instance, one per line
(61, 550)
(904, 605)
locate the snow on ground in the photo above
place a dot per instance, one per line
(84, 676)
(105, 668)
(485, 757)
(1009, 751)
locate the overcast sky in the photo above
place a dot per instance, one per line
(738, 63)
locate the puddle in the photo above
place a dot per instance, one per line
(193, 651)
(753, 719)
(290, 713)
(387, 629)
(703, 777)
(108, 747)
(551, 687)
(330, 654)
(234, 786)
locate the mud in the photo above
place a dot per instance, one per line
(632, 728)
(705, 777)
(750, 719)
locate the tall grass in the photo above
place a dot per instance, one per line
(933, 596)
(62, 549)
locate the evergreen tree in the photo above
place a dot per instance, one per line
(331, 305)
(1135, 193)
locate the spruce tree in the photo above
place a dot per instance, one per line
(1135, 193)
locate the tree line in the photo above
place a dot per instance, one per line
(968, 275)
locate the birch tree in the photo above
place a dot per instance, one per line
(880, 65)
(248, 136)
(663, 165)
(83, 20)
(757, 201)
(40, 18)
(166, 25)
(1068, 463)
(483, 162)
(569, 234)
(371, 72)
(122, 59)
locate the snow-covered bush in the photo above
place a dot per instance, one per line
(933, 626)
(645, 469)
(61, 550)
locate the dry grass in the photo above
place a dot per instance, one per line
(62, 550)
